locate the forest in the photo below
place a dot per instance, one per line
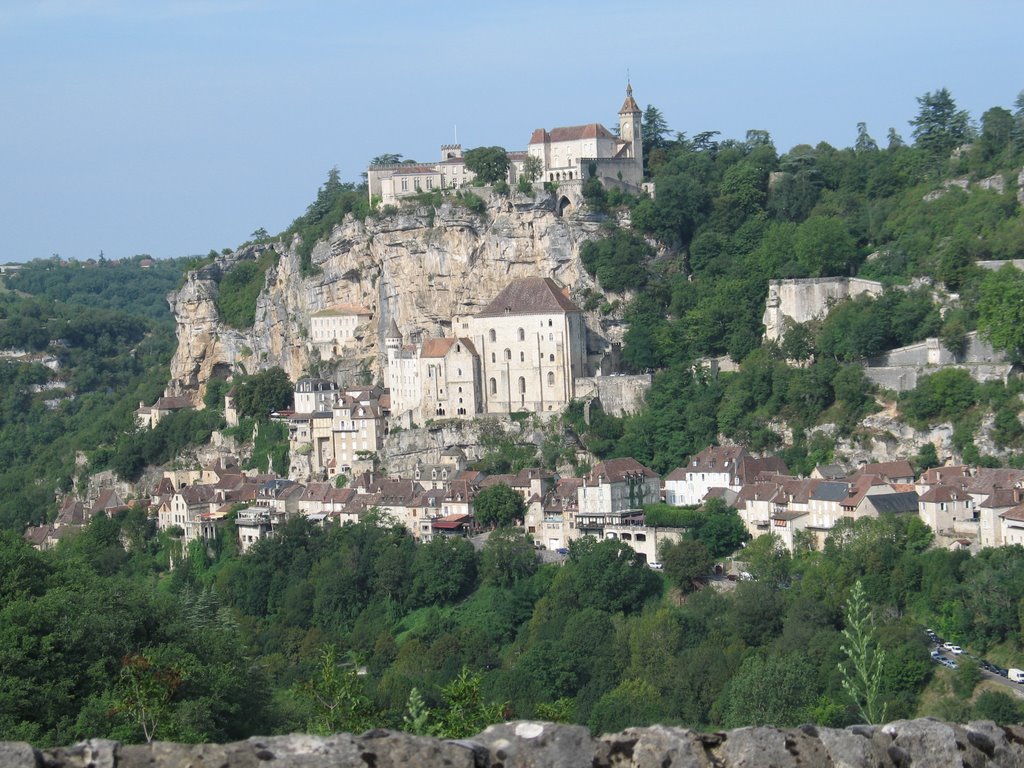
(356, 627)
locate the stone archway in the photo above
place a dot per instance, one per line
(563, 206)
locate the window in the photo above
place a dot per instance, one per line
(522, 357)
(522, 385)
(521, 334)
(549, 323)
(551, 378)
(551, 358)
(493, 358)
(508, 354)
(492, 334)
(493, 386)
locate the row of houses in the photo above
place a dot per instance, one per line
(965, 506)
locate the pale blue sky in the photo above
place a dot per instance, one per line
(171, 127)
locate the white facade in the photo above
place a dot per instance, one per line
(523, 352)
(331, 330)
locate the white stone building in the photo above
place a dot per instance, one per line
(331, 330)
(523, 352)
(579, 152)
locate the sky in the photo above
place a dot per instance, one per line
(172, 127)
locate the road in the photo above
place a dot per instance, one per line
(1015, 688)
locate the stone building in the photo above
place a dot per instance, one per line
(569, 155)
(579, 152)
(333, 431)
(523, 352)
(390, 183)
(331, 330)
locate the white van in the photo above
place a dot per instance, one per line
(1017, 675)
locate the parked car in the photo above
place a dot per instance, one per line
(656, 566)
(1003, 671)
(562, 551)
(949, 663)
(936, 656)
(955, 649)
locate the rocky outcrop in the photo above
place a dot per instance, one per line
(525, 744)
(421, 266)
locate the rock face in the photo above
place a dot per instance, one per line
(525, 744)
(420, 266)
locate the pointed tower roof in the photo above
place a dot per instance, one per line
(393, 332)
(629, 106)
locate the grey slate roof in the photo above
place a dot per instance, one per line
(895, 503)
(529, 296)
(828, 491)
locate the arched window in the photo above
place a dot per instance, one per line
(522, 386)
(551, 378)
(551, 357)
(522, 357)
(508, 354)
(493, 386)
(492, 334)
(494, 359)
(458, 371)
(522, 335)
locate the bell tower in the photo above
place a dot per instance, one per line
(630, 129)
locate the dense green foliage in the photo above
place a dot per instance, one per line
(729, 215)
(499, 506)
(225, 646)
(490, 164)
(109, 360)
(334, 200)
(240, 287)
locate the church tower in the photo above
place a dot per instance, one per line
(630, 129)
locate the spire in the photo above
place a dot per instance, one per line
(393, 332)
(629, 106)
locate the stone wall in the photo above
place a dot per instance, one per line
(924, 742)
(619, 395)
(900, 369)
(797, 301)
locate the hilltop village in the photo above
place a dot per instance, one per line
(526, 352)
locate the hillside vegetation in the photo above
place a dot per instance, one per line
(730, 215)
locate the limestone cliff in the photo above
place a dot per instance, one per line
(421, 266)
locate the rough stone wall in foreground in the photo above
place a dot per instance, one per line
(524, 744)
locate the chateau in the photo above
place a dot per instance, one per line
(569, 154)
(522, 352)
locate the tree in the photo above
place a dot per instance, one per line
(998, 130)
(722, 531)
(939, 126)
(146, 689)
(654, 129)
(533, 168)
(684, 561)
(862, 670)
(443, 570)
(508, 557)
(260, 395)
(864, 141)
(498, 506)
(824, 247)
(386, 159)
(335, 697)
(770, 690)
(490, 164)
(1001, 310)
